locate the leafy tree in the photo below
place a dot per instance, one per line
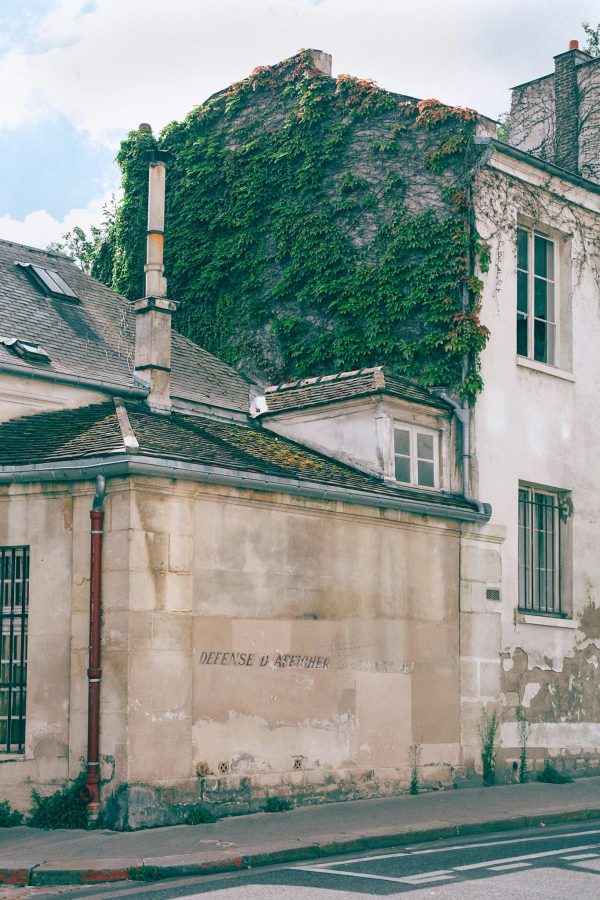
(85, 248)
(593, 38)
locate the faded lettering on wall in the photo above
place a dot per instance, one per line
(298, 661)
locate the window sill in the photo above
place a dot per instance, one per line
(543, 367)
(12, 757)
(551, 621)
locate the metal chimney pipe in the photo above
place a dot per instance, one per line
(156, 283)
(154, 311)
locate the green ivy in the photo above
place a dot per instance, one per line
(294, 242)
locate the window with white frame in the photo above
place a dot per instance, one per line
(537, 317)
(416, 456)
(543, 517)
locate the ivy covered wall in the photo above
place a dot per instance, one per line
(314, 225)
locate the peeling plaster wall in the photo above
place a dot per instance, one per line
(349, 618)
(535, 424)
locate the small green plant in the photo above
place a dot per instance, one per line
(488, 728)
(146, 873)
(62, 809)
(9, 817)
(278, 804)
(415, 755)
(524, 727)
(200, 814)
(551, 775)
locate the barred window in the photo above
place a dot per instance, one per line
(14, 606)
(542, 518)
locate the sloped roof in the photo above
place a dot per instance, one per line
(94, 431)
(95, 338)
(345, 386)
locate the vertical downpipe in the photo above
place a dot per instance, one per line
(91, 792)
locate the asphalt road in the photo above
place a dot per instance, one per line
(541, 864)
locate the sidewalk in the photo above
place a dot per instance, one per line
(30, 856)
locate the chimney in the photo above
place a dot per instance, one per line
(566, 100)
(153, 312)
(321, 61)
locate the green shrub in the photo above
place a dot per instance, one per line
(146, 873)
(63, 809)
(9, 817)
(551, 775)
(278, 804)
(200, 814)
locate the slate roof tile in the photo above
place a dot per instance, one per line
(345, 386)
(94, 430)
(95, 338)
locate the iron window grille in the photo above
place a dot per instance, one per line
(542, 518)
(14, 608)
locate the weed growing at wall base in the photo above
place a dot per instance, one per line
(62, 809)
(488, 728)
(9, 817)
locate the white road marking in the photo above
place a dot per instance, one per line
(410, 851)
(541, 837)
(321, 871)
(581, 856)
(493, 862)
(510, 866)
(422, 878)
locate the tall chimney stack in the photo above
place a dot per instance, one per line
(153, 312)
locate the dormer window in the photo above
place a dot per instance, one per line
(49, 281)
(416, 456)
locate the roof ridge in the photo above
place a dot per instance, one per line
(8, 243)
(130, 441)
(321, 379)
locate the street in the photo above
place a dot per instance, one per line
(545, 863)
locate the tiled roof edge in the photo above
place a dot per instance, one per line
(321, 379)
(140, 465)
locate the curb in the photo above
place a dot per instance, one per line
(148, 869)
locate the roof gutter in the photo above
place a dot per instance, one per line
(110, 387)
(538, 163)
(158, 467)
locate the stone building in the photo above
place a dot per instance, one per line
(299, 582)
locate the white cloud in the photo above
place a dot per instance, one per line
(39, 228)
(112, 64)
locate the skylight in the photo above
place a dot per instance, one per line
(26, 349)
(52, 284)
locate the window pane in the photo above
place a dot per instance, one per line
(521, 335)
(522, 289)
(425, 474)
(522, 244)
(424, 446)
(540, 298)
(402, 441)
(542, 256)
(543, 341)
(403, 469)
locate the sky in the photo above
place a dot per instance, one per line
(77, 75)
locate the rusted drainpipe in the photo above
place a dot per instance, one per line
(91, 791)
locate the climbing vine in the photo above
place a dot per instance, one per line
(315, 224)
